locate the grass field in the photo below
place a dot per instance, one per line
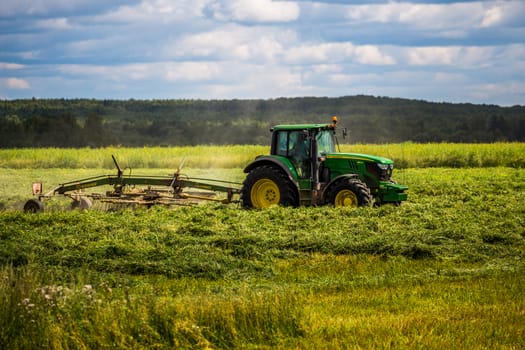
(444, 270)
(406, 155)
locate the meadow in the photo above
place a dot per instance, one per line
(406, 155)
(444, 270)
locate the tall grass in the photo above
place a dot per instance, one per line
(319, 302)
(147, 157)
(406, 155)
(35, 314)
(414, 155)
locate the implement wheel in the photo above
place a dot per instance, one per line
(33, 206)
(266, 186)
(349, 193)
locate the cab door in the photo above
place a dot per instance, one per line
(295, 145)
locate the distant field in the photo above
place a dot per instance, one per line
(405, 155)
(445, 270)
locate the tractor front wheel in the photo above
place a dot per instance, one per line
(266, 186)
(349, 193)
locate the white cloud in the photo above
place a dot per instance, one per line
(492, 16)
(512, 91)
(54, 23)
(514, 52)
(464, 57)
(315, 53)
(84, 70)
(158, 71)
(193, 71)
(337, 52)
(449, 78)
(128, 73)
(257, 81)
(325, 68)
(154, 11)
(370, 54)
(7, 65)
(135, 71)
(30, 55)
(355, 79)
(30, 7)
(17, 83)
(424, 56)
(50, 7)
(197, 79)
(232, 42)
(255, 10)
(82, 47)
(464, 15)
(498, 13)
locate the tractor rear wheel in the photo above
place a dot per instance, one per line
(349, 193)
(266, 186)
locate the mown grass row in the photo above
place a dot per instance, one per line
(214, 242)
(444, 270)
(406, 155)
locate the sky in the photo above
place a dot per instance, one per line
(440, 51)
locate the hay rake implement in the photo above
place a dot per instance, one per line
(137, 190)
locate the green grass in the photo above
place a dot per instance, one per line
(453, 155)
(346, 302)
(444, 270)
(405, 155)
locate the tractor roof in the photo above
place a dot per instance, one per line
(301, 127)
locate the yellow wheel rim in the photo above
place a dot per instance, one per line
(346, 198)
(265, 193)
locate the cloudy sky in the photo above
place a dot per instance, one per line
(451, 51)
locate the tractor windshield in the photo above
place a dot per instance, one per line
(325, 142)
(289, 143)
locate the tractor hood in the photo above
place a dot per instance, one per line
(358, 156)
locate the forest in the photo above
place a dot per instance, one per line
(68, 123)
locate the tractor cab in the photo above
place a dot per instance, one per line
(303, 145)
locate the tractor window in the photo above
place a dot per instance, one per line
(299, 147)
(325, 142)
(282, 144)
(295, 146)
(292, 144)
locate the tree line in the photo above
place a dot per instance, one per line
(97, 123)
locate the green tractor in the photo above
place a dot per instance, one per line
(305, 169)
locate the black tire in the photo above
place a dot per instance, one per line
(33, 206)
(266, 186)
(349, 193)
(83, 203)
